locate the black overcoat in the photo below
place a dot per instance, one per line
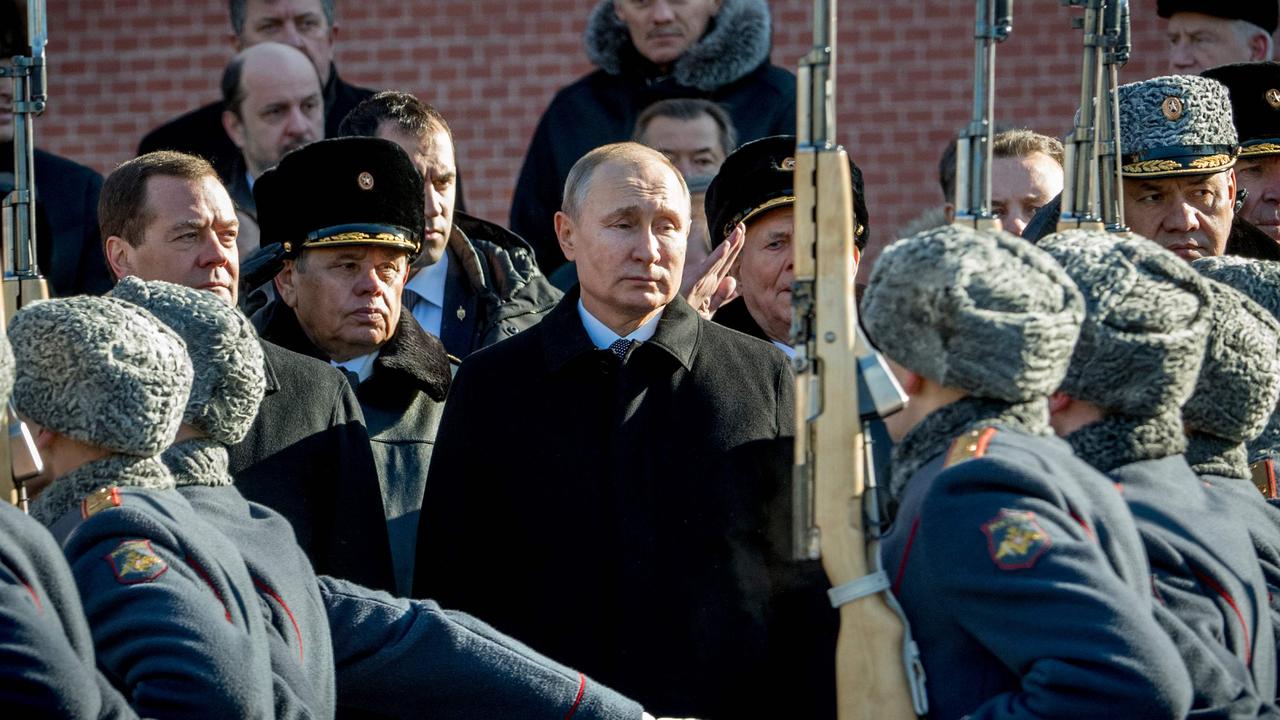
(624, 517)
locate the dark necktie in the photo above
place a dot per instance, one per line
(620, 347)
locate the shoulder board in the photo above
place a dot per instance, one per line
(1264, 477)
(101, 500)
(453, 359)
(972, 444)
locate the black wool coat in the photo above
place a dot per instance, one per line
(625, 517)
(307, 457)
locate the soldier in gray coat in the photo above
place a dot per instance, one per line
(1136, 363)
(175, 619)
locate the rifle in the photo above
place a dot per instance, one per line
(830, 490)
(23, 284)
(1080, 196)
(1115, 39)
(992, 25)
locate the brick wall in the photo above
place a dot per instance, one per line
(121, 67)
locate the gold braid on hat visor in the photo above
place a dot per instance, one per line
(360, 234)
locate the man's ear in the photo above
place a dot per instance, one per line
(1058, 402)
(235, 42)
(564, 232)
(1259, 43)
(119, 256)
(234, 127)
(285, 280)
(1232, 186)
(949, 210)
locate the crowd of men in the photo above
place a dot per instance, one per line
(318, 443)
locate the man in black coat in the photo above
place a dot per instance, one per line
(646, 52)
(305, 24)
(628, 524)
(307, 455)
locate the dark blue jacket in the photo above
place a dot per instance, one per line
(1024, 580)
(300, 646)
(409, 659)
(1249, 509)
(1205, 575)
(46, 652)
(174, 615)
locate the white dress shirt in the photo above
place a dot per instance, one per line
(362, 366)
(424, 294)
(602, 337)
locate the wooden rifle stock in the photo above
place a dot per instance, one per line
(22, 281)
(829, 481)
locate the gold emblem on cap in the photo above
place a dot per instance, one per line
(1172, 108)
(1273, 98)
(787, 164)
(365, 181)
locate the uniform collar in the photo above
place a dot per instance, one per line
(1119, 440)
(1211, 455)
(65, 493)
(198, 461)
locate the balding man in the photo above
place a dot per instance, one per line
(1204, 34)
(273, 104)
(309, 26)
(635, 508)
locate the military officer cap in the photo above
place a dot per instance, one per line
(1260, 281)
(342, 192)
(1263, 13)
(980, 311)
(1175, 125)
(225, 352)
(1146, 314)
(1255, 104)
(1240, 380)
(101, 371)
(760, 176)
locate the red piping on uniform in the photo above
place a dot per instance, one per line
(906, 552)
(35, 598)
(205, 577)
(1087, 530)
(266, 589)
(1213, 585)
(582, 689)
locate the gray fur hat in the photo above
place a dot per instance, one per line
(1260, 280)
(6, 370)
(1240, 379)
(1146, 315)
(1176, 125)
(100, 371)
(224, 350)
(985, 312)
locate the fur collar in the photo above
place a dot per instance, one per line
(1211, 455)
(199, 461)
(736, 42)
(122, 470)
(935, 433)
(1120, 440)
(412, 358)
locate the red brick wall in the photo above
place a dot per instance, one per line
(121, 67)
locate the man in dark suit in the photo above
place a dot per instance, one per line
(165, 216)
(633, 509)
(305, 24)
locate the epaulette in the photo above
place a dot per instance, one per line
(1264, 477)
(108, 497)
(972, 444)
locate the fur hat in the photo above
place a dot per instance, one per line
(1176, 125)
(100, 371)
(1262, 13)
(1260, 280)
(224, 349)
(1240, 380)
(1146, 314)
(1255, 104)
(6, 370)
(981, 311)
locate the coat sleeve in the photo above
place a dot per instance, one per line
(164, 633)
(1031, 584)
(43, 674)
(395, 657)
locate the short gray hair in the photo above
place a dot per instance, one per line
(236, 8)
(578, 184)
(1245, 31)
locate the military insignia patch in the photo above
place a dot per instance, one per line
(1015, 540)
(972, 444)
(1273, 98)
(133, 562)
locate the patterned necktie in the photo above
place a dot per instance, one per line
(620, 347)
